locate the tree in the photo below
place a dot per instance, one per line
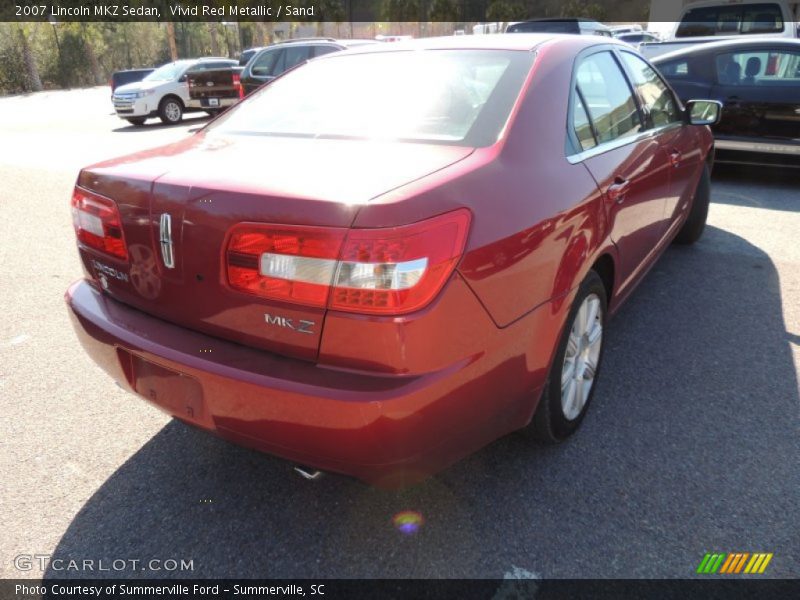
(173, 47)
(506, 10)
(213, 30)
(402, 10)
(34, 82)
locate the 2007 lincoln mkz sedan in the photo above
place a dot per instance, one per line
(388, 258)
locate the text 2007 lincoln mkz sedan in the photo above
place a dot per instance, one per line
(388, 258)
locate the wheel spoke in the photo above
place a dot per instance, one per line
(572, 346)
(568, 397)
(589, 368)
(593, 309)
(567, 373)
(595, 333)
(580, 320)
(578, 400)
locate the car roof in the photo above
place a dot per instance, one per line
(729, 44)
(207, 58)
(497, 41)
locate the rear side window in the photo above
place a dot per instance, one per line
(322, 50)
(581, 123)
(759, 68)
(657, 100)
(264, 64)
(731, 19)
(294, 55)
(675, 69)
(607, 98)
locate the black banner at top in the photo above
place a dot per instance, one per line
(458, 11)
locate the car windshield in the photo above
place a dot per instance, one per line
(461, 97)
(168, 72)
(731, 19)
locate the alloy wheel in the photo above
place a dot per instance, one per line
(582, 357)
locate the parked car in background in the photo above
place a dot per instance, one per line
(618, 30)
(164, 93)
(246, 55)
(214, 90)
(393, 38)
(758, 83)
(119, 78)
(638, 38)
(278, 58)
(704, 22)
(576, 26)
(393, 255)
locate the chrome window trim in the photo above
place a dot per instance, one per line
(620, 142)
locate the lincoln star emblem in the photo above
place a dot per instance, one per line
(165, 239)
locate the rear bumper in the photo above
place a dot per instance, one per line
(387, 430)
(204, 103)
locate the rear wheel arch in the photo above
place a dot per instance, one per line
(604, 266)
(171, 97)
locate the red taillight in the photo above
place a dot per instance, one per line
(97, 223)
(374, 271)
(284, 262)
(237, 83)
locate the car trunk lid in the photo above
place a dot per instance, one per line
(184, 199)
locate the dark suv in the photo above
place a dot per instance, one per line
(273, 60)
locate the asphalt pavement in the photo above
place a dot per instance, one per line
(691, 445)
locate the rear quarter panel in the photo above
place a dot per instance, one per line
(537, 220)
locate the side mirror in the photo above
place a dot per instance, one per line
(704, 112)
(183, 78)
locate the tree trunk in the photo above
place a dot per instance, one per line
(173, 47)
(33, 80)
(213, 29)
(97, 74)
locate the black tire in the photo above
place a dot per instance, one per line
(170, 110)
(550, 425)
(136, 122)
(696, 221)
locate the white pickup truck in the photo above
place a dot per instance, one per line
(702, 22)
(164, 93)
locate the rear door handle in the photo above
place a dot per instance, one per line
(732, 100)
(617, 190)
(675, 157)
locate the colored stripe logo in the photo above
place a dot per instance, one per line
(734, 563)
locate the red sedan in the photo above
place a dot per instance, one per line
(386, 259)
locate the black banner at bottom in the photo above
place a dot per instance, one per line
(417, 589)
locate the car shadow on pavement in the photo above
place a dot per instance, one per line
(194, 121)
(773, 188)
(690, 447)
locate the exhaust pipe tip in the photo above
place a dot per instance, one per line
(309, 474)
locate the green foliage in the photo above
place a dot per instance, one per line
(586, 10)
(444, 10)
(402, 10)
(506, 10)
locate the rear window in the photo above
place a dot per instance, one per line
(731, 19)
(460, 97)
